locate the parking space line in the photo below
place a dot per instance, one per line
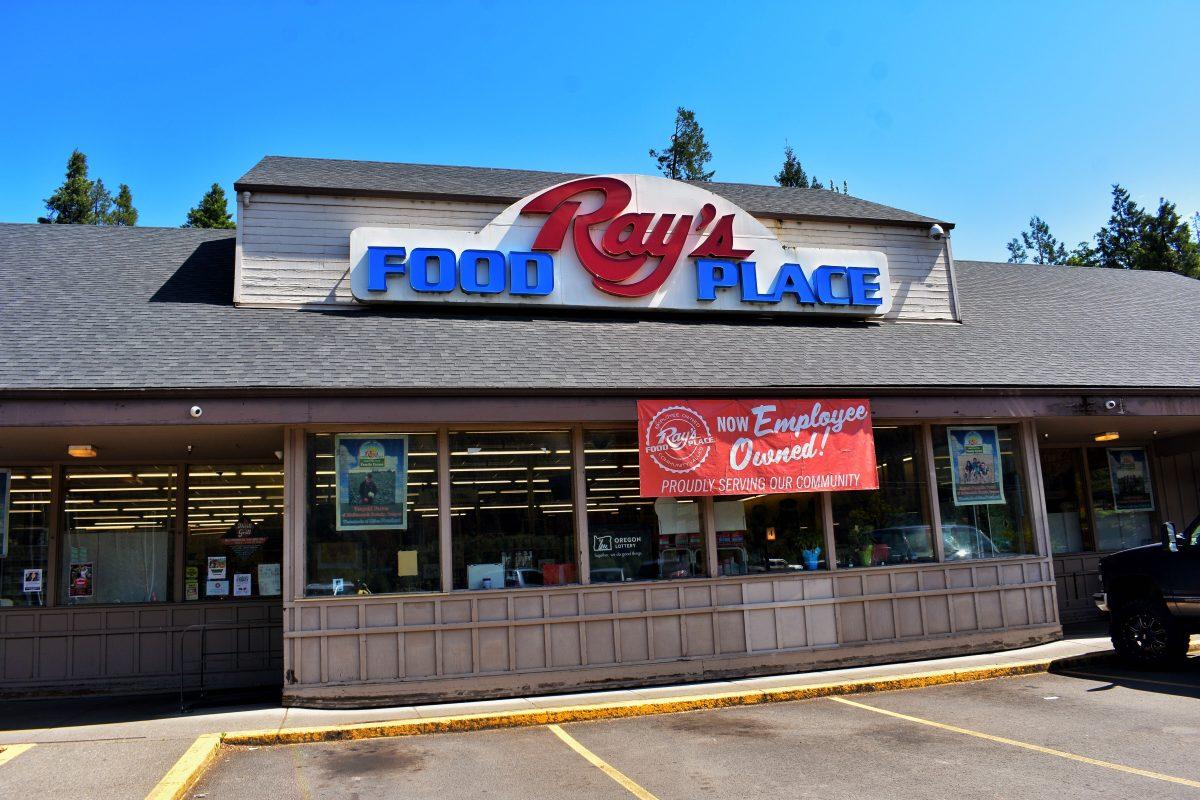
(188, 769)
(1129, 678)
(1024, 745)
(596, 761)
(10, 751)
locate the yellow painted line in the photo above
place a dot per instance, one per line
(1024, 745)
(602, 765)
(626, 709)
(1130, 678)
(10, 751)
(188, 769)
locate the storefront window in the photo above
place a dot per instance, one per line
(511, 514)
(234, 532)
(1116, 528)
(889, 525)
(634, 537)
(372, 514)
(24, 550)
(1066, 511)
(769, 533)
(982, 492)
(119, 534)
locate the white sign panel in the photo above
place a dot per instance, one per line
(618, 241)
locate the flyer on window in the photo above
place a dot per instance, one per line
(976, 470)
(241, 584)
(81, 580)
(1129, 471)
(31, 581)
(372, 481)
(216, 567)
(5, 487)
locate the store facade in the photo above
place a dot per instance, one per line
(421, 433)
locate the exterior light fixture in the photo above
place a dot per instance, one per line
(1107, 436)
(81, 450)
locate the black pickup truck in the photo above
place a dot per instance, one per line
(1153, 596)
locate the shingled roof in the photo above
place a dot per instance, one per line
(85, 308)
(376, 178)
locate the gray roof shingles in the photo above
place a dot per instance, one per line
(275, 173)
(87, 308)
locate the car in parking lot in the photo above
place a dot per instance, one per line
(1152, 594)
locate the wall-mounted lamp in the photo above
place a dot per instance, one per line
(1107, 436)
(81, 450)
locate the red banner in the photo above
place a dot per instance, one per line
(720, 447)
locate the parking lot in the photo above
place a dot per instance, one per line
(1099, 733)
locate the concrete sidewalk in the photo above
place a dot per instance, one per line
(61, 720)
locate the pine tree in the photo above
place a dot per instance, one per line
(212, 211)
(1040, 242)
(101, 202)
(1118, 243)
(687, 154)
(123, 213)
(1166, 243)
(71, 203)
(792, 173)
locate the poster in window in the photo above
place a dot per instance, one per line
(82, 578)
(216, 588)
(372, 481)
(976, 471)
(268, 580)
(1129, 470)
(216, 567)
(241, 584)
(31, 580)
(5, 492)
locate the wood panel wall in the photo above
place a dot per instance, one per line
(295, 249)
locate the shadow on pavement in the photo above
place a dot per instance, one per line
(1182, 681)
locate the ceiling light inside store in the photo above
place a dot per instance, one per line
(81, 450)
(1107, 436)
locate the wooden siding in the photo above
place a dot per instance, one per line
(295, 249)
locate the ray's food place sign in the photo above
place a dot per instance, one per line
(618, 241)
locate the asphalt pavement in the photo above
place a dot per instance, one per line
(1100, 732)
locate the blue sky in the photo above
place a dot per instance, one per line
(983, 114)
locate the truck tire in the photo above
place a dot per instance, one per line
(1146, 635)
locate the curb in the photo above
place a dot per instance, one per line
(188, 769)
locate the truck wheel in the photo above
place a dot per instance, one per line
(1146, 635)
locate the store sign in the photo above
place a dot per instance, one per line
(723, 447)
(618, 241)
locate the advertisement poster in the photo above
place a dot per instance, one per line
(31, 580)
(241, 584)
(268, 580)
(976, 474)
(1129, 470)
(243, 543)
(372, 481)
(191, 590)
(216, 589)
(722, 447)
(216, 567)
(81, 580)
(5, 493)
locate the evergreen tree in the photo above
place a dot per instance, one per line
(792, 173)
(1118, 244)
(101, 202)
(123, 213)
(212, 211)
(687, 155)
(71, 203)
(845, 186)
(1040, 242)
(1084, 255)
(1166, 243)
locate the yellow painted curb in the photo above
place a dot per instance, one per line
(188, 769)
(10, 751)
(625, 709)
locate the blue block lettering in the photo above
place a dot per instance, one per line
(750, 284)
(447, 274)
(791, 280)
(378, 269)
(823, 285)
(494, 265)
(543, 273)
(712, 274)
(864, 288)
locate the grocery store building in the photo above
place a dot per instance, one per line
(416, 433)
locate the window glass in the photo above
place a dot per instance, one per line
(401, 554)
(633, 537)
(29, 511)
(889, 525)
(769, 533)
(512, 520)
(235, 532)
(991, 516)
(1066, 511)
(1115, 530)
(119, 534)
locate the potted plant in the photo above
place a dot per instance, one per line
(810, 548)
(862, 546)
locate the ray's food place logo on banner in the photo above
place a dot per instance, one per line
(724, 447)
(618, 241)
